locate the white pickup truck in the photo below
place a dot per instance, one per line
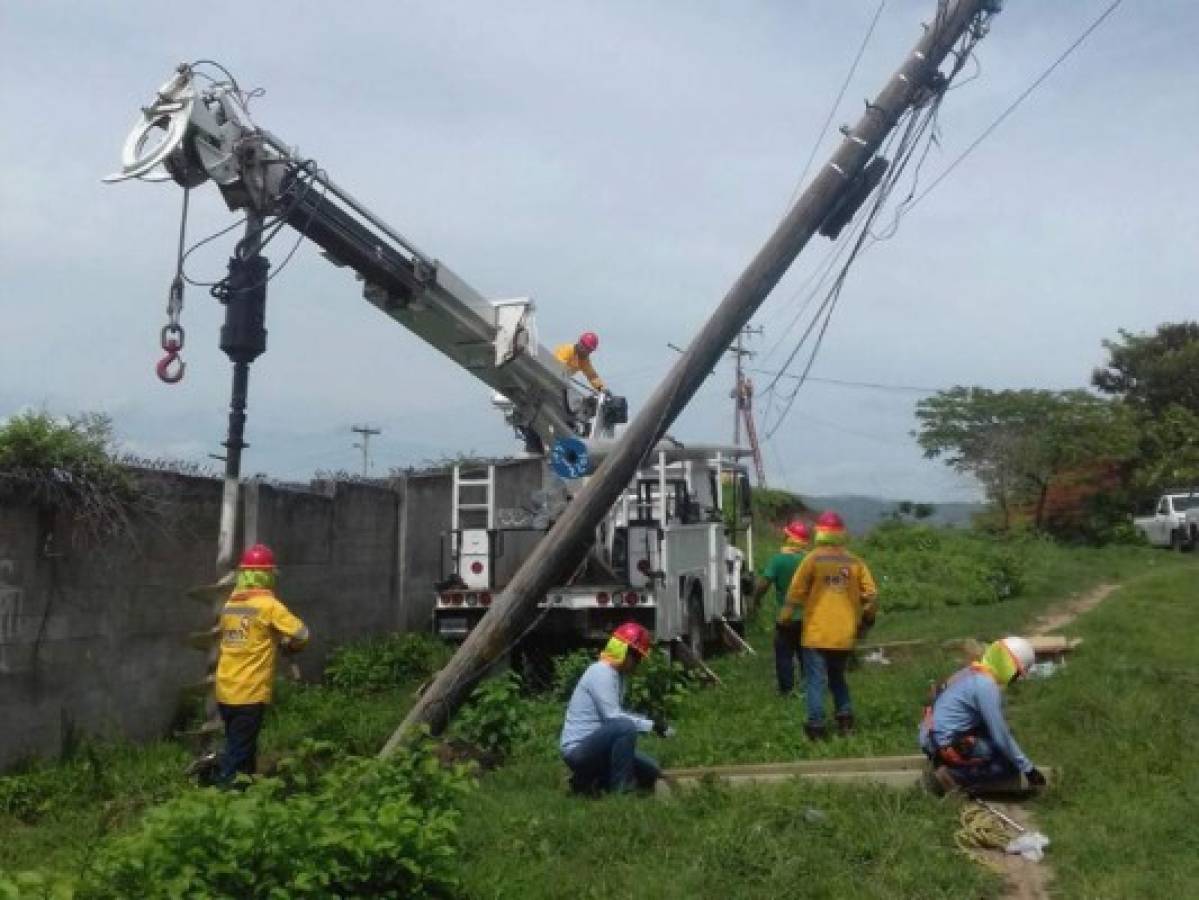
(1174, 521)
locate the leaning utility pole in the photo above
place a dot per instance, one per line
(567, 541)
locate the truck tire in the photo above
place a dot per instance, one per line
(695, 621)
(1178, 541)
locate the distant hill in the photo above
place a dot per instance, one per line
(863, 513)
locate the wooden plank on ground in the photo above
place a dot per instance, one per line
(900, 772)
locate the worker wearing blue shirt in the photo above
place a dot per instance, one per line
(964, 732)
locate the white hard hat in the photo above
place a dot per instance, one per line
(1023, 652)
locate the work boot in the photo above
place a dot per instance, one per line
(940, 782)
(844, 724)
(816, 731)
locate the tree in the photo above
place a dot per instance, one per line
(1152, 372)
(1018, 442)
(1156, 377)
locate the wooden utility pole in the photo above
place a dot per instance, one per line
(567, 542)
(365, 445)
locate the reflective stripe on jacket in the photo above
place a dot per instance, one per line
(568, 355)
(252, 623)
(833, 586)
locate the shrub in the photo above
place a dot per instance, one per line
(69, 466)
(497, 716)
(374, 665)
(365, 828)
(655, 689)
(568, 669)
(658, 686)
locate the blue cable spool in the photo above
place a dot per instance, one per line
(569, 458)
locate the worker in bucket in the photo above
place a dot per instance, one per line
(964, 732)
(837, 594)
(576, 357)
(599, 737)
(254, 625)
(788, 625)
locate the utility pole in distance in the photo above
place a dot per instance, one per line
(560, 551)
(743, 402)
(365, 444)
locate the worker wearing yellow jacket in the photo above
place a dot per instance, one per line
(837, 593)
(576, 357)
(253, 625)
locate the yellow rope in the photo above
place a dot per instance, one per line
(982, 830)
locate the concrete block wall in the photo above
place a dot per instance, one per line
(92, 637)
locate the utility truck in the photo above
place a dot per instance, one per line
(1173, 521)
(666, 554)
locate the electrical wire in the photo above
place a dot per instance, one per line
(1011, 108)
(922, 121)
(840, 382)
(853, 68)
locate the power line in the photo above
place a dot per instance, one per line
(853, 68)
(841, 382)
(1020, 99)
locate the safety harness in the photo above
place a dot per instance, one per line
(958, 752)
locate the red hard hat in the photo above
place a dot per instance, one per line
(589, 341)
(797, 531)
(259, 556)
(829, 521)
(635, 636)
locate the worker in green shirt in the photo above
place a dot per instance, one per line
(788, 627)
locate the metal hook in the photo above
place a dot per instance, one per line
(170, 368)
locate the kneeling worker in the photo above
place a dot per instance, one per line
(599, 738)
(253, 624)
(964, 732)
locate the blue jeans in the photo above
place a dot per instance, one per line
(786, 651)
(607, 760)
(242, 724)
(825, 670)
(987, 765)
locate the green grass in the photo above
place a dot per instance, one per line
(1120, 723)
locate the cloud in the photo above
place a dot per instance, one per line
(619, 163)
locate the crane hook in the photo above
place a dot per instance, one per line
(171, 367)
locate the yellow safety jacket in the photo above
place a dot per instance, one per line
(252, 624)
(569, 356)
(834, 587)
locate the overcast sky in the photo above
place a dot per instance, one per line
(619, 162)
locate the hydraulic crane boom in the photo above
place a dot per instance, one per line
(199, 134)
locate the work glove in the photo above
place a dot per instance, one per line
(1035, 777)
(662, 730)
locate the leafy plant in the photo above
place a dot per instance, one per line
(655, 689)
(368, 666)
(568, 669)
(497, 716)
(658, 687)
(365, 828)
(67, 465)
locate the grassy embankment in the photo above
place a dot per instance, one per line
(1119, 722)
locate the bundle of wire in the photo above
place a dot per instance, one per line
(982, 830)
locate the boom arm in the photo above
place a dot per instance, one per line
(209, 135)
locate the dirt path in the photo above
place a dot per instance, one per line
(1062, 614)
(1030, 880)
